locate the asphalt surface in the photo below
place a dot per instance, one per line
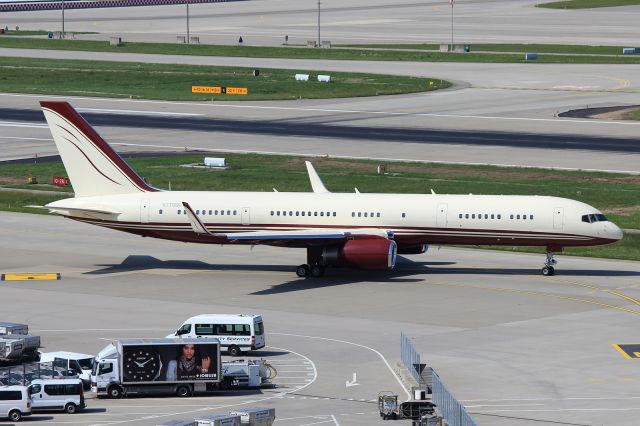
(358, 21)
(516, 348)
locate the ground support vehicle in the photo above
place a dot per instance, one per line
(157, 366)
(236, 332)
(80, 364)
(15, 402)
(415, 410)
(249, 373)
(388, 405)
(255, 416)
(17, 348)
(57, 394)
(13, 328)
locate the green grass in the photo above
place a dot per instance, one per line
(588, 4)
(173, 82)
(25, 33)
(616, 194)
(522, 48)
(634, 115)
(304, 53)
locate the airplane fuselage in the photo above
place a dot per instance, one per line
(413, 219)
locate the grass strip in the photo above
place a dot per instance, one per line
(305, 53)
(173, 82)
(633, 115)
(509, 48)
(587, 4)
(617, 195)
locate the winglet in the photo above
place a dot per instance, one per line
(196, 224)
(316, 182)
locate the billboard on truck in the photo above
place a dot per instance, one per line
(170, 361)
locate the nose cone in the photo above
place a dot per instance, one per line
(612, 231)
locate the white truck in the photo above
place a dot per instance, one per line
(157, 366)
(16, 345)
(80, 364)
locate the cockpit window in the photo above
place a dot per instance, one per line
(591, 218)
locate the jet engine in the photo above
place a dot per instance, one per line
(363, 253)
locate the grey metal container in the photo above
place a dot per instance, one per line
(256, 416)
(218, 420)
(13, 328)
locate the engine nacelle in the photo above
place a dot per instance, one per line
(362, 253)
(419, 249)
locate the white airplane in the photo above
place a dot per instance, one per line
(358, 230)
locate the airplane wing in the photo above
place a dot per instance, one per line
(283, 235)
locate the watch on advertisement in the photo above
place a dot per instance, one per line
(142, 365)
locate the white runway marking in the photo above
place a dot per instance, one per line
(138, 112)
(393, 373)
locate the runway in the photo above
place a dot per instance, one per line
(517, 348)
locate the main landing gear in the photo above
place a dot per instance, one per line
(314, 267)
(305, 270)
(548, 269)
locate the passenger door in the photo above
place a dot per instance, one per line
(246, 216)
(144, 211)
(441, 216)
(558, 218)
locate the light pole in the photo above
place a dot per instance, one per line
(62, 35)
(451, 1)
(188, 39)
(318, 23)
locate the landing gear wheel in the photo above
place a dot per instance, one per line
(234, 350)
(317, 271)
(548, 271)
(303, 271)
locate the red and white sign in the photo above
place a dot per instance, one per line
(60, 181)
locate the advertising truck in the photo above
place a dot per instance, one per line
(157, 366)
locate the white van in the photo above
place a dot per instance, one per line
(81, 364)
(235, 332)
(57, 394)
(15, 402)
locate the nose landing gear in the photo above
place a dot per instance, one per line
(548, 269)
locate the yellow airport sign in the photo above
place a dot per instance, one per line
(220, 90)
(629, 351)
(36, 276)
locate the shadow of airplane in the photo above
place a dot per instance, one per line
(404, 272)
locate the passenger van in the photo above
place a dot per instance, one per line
(15, 402)
(57, 394)
(236, 333)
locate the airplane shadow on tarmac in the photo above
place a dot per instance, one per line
(404, 272)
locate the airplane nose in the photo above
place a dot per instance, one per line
(613, 231)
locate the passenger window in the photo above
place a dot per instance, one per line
(466, 216)
(179, 211)
(321, 213)
(473, 216)
(160, 211)
(460, 216)
(315, 213)
(486, 216)
(205, 329)
(531, 217)
(404, 215)
(303, 213)
(353, 214)
(221, 212)
(378, 215)
(492, 217)
(229, 213)
(235, 212)
(366, 214)
(297, 213)
(499, 216)
(518, 217)
(511, 216)
(271, 212)
(359, 214)
(209, 212)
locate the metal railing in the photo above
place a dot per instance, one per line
(410, 358)
(23, 374)
(454, 412)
